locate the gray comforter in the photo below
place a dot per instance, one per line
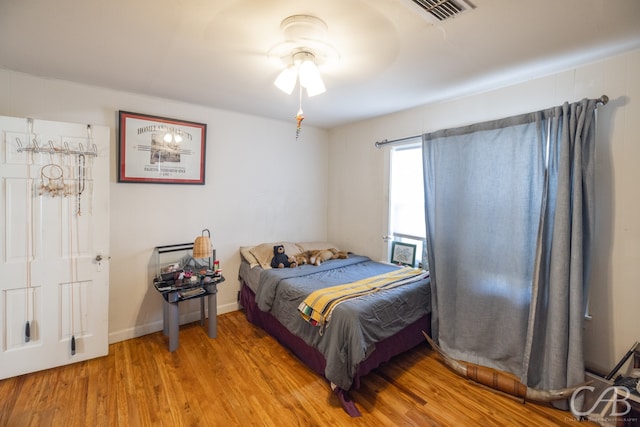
(356, 325)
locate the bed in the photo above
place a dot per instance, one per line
(362, 332)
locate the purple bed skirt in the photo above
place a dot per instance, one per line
(396, 344)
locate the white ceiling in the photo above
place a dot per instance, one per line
(214, 52)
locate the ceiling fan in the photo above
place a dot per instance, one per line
(301, 54)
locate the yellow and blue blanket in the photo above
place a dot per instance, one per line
(318, 306)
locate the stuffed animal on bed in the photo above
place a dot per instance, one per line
(280, 259)
(317, 257)
(339, 254)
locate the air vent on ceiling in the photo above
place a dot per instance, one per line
(442, 10)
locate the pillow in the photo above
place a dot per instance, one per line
(245, 252)
(316, 246)
(263, 253)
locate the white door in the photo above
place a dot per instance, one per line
(54, 222)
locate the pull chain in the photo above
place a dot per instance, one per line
(300, 115)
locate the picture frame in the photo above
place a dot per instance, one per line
(403, 253)
(160, 150)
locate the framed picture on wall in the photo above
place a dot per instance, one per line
(403, 253)
(154, 149)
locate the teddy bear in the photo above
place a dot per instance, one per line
(280, 259)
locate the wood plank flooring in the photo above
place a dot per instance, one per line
(245, 378)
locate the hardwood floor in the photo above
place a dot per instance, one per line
(244, 377)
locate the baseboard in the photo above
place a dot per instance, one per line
(149, 328)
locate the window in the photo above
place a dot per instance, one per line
(406, 199)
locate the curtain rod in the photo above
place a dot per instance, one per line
(602, 100)
(379, 144)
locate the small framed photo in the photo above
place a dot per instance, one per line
(154, 149)
(403, 253)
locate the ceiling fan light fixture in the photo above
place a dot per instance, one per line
(304, 50)
(286, 80)
(304, 68)
(310, 77)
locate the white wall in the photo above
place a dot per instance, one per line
(358, 192)
(252, 194)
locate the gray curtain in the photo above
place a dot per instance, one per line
(509, 219)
